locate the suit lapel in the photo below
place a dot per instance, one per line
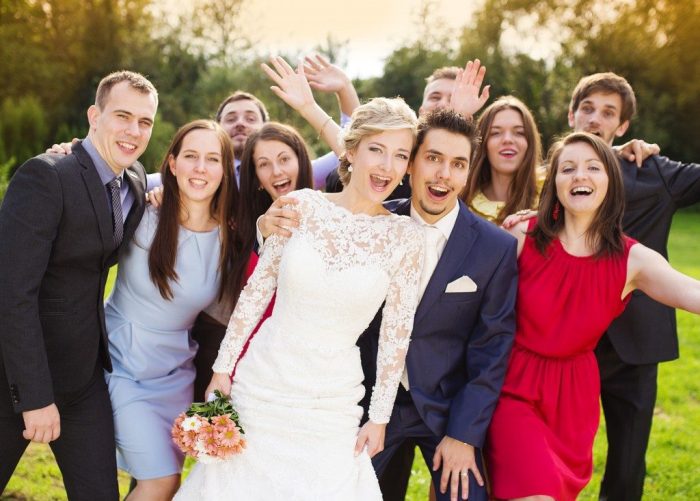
(98, 197)
(137, 188)
(456, 250)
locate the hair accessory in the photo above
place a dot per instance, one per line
(349, 168)
(555, 210)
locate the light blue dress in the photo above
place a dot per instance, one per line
(151, 348)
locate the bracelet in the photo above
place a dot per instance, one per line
(320, 131)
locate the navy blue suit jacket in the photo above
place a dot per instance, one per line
(461, 341)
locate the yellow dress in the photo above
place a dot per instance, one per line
(489, 209)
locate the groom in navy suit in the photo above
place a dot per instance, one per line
(464, 324)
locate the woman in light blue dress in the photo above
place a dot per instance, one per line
(178, 262)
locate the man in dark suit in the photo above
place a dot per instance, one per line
(464, 324)
(645, 334)
(63, 222)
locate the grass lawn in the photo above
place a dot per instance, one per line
(673, 459)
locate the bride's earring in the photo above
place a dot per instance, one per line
(349, 168)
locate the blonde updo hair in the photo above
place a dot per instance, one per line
(374, 117)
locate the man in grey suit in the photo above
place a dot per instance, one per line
(63, 223)
(645, 334)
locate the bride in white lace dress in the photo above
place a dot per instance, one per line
(298, 386)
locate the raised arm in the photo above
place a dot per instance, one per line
(326, 77)
(292, 87)
(648, 271)
(466, 98)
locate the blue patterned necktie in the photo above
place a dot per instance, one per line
(117, 216)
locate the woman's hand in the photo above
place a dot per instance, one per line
(62, 148)
(155, 197)
(324, 76)
(277, 219)
(520, 216)
(372, 435)
(465, 95)
(291, 86)
(219, 381)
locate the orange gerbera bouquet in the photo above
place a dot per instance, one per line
(209, 431)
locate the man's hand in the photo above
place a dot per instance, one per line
(277, 220)
(465, 95)
(155, 197)
(371, 434)
(636, 150)
(324, 76)
(62, 148)
(457, 460)
(42, 425)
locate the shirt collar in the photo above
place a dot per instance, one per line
(106, 174)
(445, 224)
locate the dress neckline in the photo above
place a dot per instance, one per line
(348, 211)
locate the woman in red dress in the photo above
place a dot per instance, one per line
(577, 270)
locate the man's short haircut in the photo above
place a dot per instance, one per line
(446, 72)
(135, 80)
(449, 120)
(606, 83)
(240, 95)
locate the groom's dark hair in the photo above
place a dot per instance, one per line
(450, 121)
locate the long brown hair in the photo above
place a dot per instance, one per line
(605, 232)
(163, 252)
(253, 200)
(522, 192)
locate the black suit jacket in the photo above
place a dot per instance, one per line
(56, 248)
(461, 341)
(646, 331)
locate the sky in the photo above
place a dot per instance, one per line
(371, 28)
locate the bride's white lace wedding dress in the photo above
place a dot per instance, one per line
(298, 386)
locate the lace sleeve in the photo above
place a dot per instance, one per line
(397, 323)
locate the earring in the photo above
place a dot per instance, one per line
(260, 188)
(401, 182)
(555, 211)
(349, 168)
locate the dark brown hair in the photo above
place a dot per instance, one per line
(254, 201)
(605, 232)
(445, 119)
(606, 83)
(136, 81)
(522, 192)
(163, 252)
(239, 95)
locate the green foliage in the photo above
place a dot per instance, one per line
(23, 129)
(5, 170)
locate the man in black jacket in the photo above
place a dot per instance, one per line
(63, 223)
(645, 334)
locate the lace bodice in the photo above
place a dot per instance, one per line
(331, 277)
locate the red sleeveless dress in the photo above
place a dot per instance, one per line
(541, 436)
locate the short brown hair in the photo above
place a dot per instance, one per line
(446, 72)
(605, 232)
(136, 81)
(240, 95)
(606, 83)
(450, 121)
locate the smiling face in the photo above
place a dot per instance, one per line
(439, 173)
(581, 179)
(198, 166)
(379, 163)
(437, 95)
(240, 119)
(599, 113)
(276, 166)
(506, 143)
(120, 131)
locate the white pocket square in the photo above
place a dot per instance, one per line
(462, 284)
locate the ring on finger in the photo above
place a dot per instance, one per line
(463, 474)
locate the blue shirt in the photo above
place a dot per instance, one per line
(106, 176)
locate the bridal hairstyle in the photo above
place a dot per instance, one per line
(253, 200)
(163, 252)
(374, 117)
(522, 192)
(605, 232)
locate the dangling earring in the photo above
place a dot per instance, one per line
(260, 188)
(401, 182)
(555, 211)
(349, 168)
